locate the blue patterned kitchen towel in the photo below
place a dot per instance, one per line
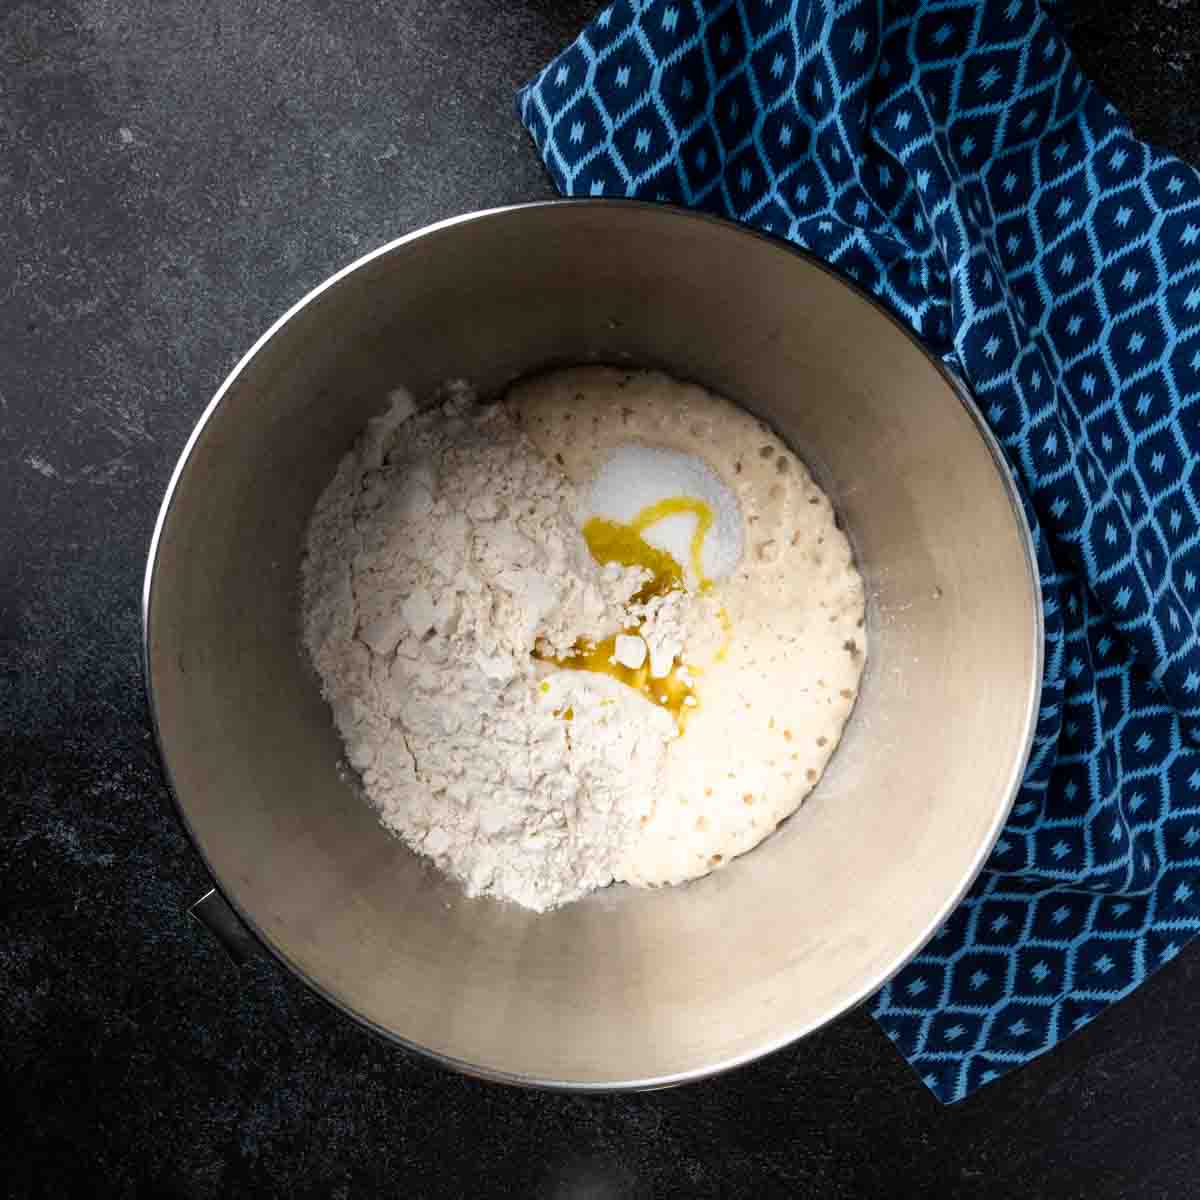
(950, 157)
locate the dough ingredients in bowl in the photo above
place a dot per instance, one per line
(631, 987)
(607, 629)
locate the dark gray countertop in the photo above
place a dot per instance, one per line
(174, 174)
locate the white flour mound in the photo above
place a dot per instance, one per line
(444, 548)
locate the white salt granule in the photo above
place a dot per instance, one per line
(634, 477)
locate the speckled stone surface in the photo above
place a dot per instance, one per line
(174, 174)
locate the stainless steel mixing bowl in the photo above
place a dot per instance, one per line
(628, 988)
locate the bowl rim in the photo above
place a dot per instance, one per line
(909, 952)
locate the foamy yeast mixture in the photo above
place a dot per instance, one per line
(768, 650)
